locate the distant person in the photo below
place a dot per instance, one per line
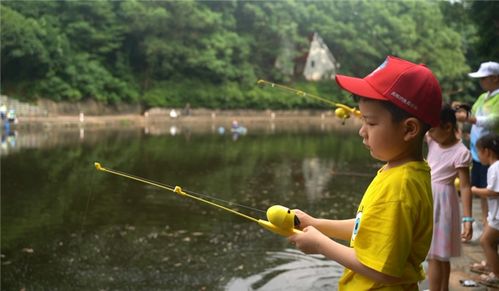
(488, 151)
(237, 130)
(3, 112)
(187, 109)
(484, 118)
(391, 234)
(448, 158)
(235, 124)
(11, 116)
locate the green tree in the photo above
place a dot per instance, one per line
(211, 53)
(484, 14)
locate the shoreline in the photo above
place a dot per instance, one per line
(197, 118)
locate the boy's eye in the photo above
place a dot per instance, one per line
(368, 122)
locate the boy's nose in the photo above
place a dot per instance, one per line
(362, 131)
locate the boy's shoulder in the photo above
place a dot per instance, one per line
(407, 170)
(494, 167)
(399, 182)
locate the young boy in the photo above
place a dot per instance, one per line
(391, 234)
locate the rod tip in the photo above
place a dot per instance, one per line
(98, 166)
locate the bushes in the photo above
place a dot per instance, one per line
(231, 95)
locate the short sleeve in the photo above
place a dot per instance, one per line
(493, 177)
(463, 158)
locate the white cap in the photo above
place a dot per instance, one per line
(486, 69)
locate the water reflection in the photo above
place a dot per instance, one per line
(66, 226)
(296, 271)
(317, 174)
(9, 141)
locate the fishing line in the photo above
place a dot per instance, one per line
(262, 83)
(175, 189)
(281, 220)
(172, 188)
(342, 111)
(89, 199)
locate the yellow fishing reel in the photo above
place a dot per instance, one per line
(344, 112)
(281, 220)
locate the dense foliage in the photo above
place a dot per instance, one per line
(211, 53)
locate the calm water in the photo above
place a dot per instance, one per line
(66, 226)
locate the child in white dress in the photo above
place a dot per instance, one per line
(488, 152)
(448, 157)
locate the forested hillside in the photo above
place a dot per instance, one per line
(211, 53)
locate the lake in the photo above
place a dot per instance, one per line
(67, 226)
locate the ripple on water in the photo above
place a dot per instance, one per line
(296, 272)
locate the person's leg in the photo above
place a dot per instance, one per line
(445, 269)
(434, 274)
(479, 179)
(485, 209)
(489, 241)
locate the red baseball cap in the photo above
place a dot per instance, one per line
(409, 86)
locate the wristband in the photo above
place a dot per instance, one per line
(468, 219)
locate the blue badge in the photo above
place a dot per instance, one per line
(356, 225)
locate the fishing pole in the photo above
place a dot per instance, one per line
(281, 220)
(342, 111)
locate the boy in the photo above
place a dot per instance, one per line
(391, 234)
(484, 119)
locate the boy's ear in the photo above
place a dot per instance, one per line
(412, 128)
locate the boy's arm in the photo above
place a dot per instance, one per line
(483, 192)
(338, 229)
(312, 241)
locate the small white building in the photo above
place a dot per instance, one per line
(317, 63)
(320, 63)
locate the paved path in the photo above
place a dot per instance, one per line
(471, 252)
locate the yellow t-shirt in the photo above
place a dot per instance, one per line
(393, 228)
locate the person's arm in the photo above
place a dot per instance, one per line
(483, 192)
(465, 188)
(338, 229)
(313, 241)
(489, 121)
(464, 116)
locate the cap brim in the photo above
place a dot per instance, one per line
(359, 87)
(478, 75)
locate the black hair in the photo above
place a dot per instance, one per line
(489, 141)
(448, 115)
(398, 114)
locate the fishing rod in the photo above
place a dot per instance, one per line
(342, 111)
(281, 220)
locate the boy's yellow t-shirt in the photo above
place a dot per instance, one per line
(393, 228)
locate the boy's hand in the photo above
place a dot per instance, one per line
(305, 219)
(467, 231)
(309, 241)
